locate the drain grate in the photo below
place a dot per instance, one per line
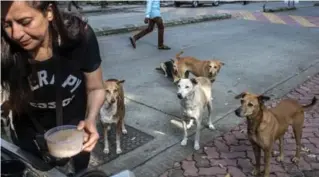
(132, 140)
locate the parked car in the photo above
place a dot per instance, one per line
(196, 3)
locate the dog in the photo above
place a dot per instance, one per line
(168, 68)
(194, 94)
(182, 66)
(6, 115)
(6, 119)
(265, 126)
(113, 112)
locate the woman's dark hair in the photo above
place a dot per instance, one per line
(66, 28)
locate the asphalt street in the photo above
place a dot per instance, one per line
(259, 57)
(135, 15)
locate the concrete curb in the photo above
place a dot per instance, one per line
(280, 9)
(100, 10)
(104, 31)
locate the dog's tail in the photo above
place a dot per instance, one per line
(313, 102)
(177, 56)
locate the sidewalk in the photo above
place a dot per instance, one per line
(109, 8)
(232, 153)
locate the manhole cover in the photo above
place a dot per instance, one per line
(132, 140)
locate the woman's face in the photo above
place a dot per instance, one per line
(25, 25)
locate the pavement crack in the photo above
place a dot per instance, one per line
(151, 107)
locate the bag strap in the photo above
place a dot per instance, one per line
(58, 95)
(58, 83)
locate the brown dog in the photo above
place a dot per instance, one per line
(265, 126)
(182, 66)
(113, 112)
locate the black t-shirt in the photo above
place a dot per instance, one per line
(85, 57)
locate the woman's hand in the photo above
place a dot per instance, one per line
(91, 135)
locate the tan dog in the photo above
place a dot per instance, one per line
(182, 66)
(113, 112)
(265, 126)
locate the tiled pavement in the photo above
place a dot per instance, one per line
(232, 153)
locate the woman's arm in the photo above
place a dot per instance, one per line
(91, 67)
(95, 93)
(96, 96)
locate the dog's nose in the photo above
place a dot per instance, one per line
(237, 112)
(113, 101)
(179, 96)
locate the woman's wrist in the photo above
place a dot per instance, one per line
(90, 119)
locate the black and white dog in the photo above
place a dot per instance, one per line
(167, 68)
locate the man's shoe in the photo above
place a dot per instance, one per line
(164, 47)
(133, 42)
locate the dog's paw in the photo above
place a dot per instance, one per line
(255, 172)
(184, 142)
(280, 158)
(295, 160)
(196, 146)
(106, 151)
(124, 131)
(274, 153)
(118, 151)
(211, 126)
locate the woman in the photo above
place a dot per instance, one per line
(37, 41)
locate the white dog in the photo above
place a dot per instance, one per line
(195, 94)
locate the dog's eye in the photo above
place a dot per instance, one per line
(107, 91)
(215, 67)
(187, 87)
(115, 90)
(250, 105)
(242, 101)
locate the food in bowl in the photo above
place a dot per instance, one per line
(64, 141)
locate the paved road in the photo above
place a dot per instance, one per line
(259, 57)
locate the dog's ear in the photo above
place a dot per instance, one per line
(172, 60)
(194, 81)
(220, 63)
(263, 98)
(176, 81)
(240, 95)
(120, 81)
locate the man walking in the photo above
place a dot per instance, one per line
(152, 17)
